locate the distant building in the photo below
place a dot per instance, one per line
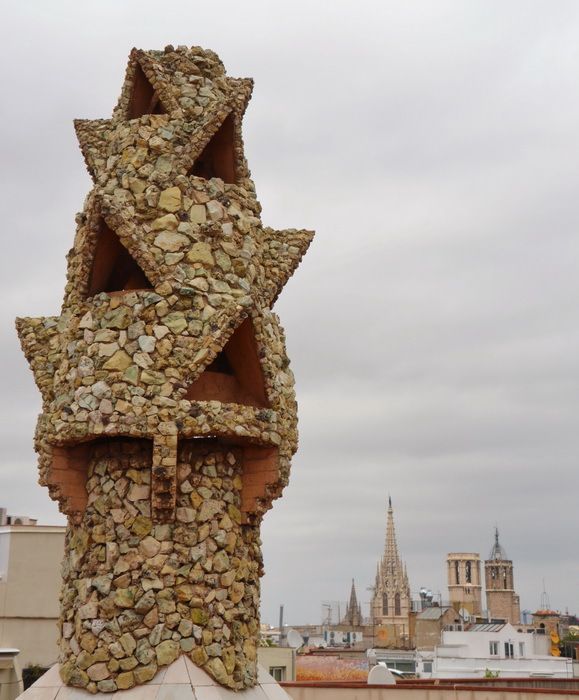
(353, 616)
(279, 662)
(430, 623)
(502, 601)
(391, 602)
(464, 582)
(496, 648)
(30, 557)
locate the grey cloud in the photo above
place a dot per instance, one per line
(433, 325)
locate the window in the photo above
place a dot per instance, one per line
(277, 672)
(397, 604)
(494, 648)
(457, 572)
(468, 572)
(427, 666)
(509, 651)
(384, 604)
(521, 648)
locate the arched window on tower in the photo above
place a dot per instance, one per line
(468, 572)
(384, 604)
(457, 571)
(397, 604)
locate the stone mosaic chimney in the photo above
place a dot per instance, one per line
(169, 415)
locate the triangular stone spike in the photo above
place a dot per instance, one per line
(283, 251)
(92, 137)
(40, 341)
(144, 90)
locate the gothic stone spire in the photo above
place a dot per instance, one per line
(391, 600)
(354, 609)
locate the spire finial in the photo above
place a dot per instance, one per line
(496, 535)
(389, 501)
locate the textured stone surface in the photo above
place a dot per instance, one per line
(182, 680)
(169, 416)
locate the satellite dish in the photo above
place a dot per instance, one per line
(294, 639)
(381, 675)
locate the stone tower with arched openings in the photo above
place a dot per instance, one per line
(464, 582)
(502, 601)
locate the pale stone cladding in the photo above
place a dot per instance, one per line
(464, 582)
(29, 587)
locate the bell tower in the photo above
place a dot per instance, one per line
(502, 601)
(464, 581)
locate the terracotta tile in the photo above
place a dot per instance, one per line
(177, 672)
(197, 676)
(176, 692)
(50, 679)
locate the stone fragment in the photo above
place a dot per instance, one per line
(168, 222)
(125, 680)
(124, 598)
(127, 641)
(167, 652)
(218, 671)
(197, 214)
(141, 526)
(147, 343)
(215, 210)
(149, 547)
(201, 253)
(119, 361)
(145, 602)
(175, 321)
(98, 672)
(170, 241)
(142, 674)
(170, 199)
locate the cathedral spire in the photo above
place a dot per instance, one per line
(391, 602)
(353, 610)
(391, 547)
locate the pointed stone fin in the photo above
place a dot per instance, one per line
(241, 91)
(283, 251)
(40, 341)
(145, 90)
(92, 136)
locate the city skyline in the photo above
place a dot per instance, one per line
(433, 327)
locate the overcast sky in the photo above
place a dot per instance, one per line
(433, 326)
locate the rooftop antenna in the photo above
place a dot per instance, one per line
(545, 602)
(281, 632)
(327, 620)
